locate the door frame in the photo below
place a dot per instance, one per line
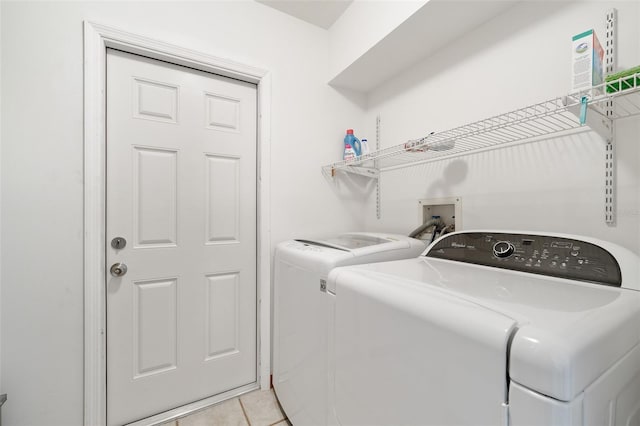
(97, 38)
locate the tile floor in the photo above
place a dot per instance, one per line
(257, 408)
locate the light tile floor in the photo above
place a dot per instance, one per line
(257, 408)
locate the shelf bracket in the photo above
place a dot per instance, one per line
(610, 62)
(363, 171)
(601, 124)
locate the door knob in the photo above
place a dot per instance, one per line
(118, 269)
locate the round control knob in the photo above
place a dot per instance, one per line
(503, 249)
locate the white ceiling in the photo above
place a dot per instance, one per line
(322, 13)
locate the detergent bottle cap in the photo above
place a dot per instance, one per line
(349, 131)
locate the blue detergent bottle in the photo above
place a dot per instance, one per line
(354, 142)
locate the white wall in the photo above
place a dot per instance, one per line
(362, 25)
(42, 180)
(519, 58)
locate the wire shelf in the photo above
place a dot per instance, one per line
(534, 122)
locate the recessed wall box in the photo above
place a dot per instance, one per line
(449, 210)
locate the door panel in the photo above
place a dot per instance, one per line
(181, 189)
(155, 101)
(223, 196)
(155, 211)
(222, 315)
(155, 319)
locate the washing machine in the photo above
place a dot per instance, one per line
(489, 328)
(301, 313)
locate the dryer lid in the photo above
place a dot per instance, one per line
(365, 243)
(348, 242)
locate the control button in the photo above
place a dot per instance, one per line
(563, 265)
(580, 261)
(554, 263)
(575, 253)
(503, 249)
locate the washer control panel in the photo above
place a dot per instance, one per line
(538, 254)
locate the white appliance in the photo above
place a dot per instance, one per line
(301, 313)
(489, 328)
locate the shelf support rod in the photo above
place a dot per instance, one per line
(610, 58)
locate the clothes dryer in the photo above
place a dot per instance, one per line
(302, 312)
(489, 328)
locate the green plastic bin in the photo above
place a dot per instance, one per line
(625, 83)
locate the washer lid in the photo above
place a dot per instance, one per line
(562, 360)
(406, 353)
(568, 332)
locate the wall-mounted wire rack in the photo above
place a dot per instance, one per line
(551, 118)
(538, 121)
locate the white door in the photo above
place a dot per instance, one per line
(181, 190)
